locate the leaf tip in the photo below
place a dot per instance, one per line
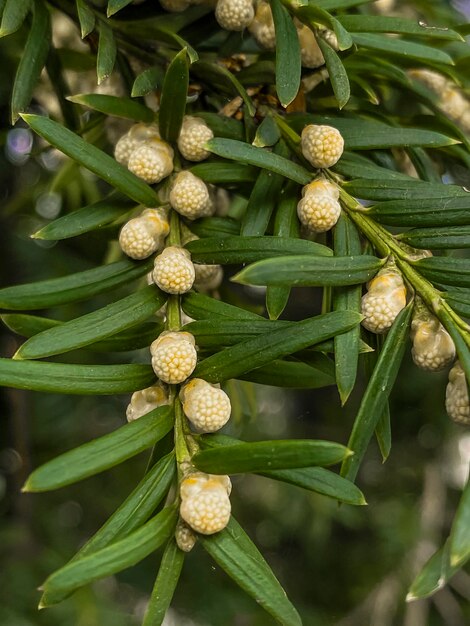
(238, 278)
(410, 597)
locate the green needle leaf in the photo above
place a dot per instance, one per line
(460, 533)
(86, 17)
(244, 153)
(73, 288)
(100, 454)
(259, 456)
(316, 479)
(308, 271)
(346, 242)
(32, 60)
(86, 219)
(94, 326)
(338, 75)
(254, 353)
(93, 159)
(118, 107)
(14, 13)
(133, 512)
(173, 98)
(434, 575)
(234, 551)
(114, 558)
(377, 392)
(288, 63)
(246, 249)
(165, 584)
(106, 52)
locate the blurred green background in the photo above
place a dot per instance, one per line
(340, 565)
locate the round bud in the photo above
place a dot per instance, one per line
(385, 298)
(142, 236)
(322, 146)
(208, 277)
(174, 356)
(319, 209)
(310, 53)
(457, 405)
(234, 14)
(124, 148)
(262, 26)
(137, 134)
(173, 271)
(152, 161)
(146, 400)
(433, 348)
(205, 504)
(206, 406)
(194, 134)
(184, 537)
(190, 197)
(175, 6)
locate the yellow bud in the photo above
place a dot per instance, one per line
(385, 298)
(146, 400)
(190, 196)
(205, 504)
(142, 236)
(174, 356)
(457, 404)
(234, 14)
(173, 271)
(206, 406)
(433, 348)
(194, 134)
(152, 161)
(319, 209)
(322, 146)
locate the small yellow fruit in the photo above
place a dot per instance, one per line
(433, 348)
(152, 161)
(205, 504)
(194, 134)
(457, 405)
(190, 196)
(174, 356)
(385, 298)
(319, 209)
(322, 146)
(262, 26)
(173, 271)
(206, 406)
(146, 400)
(142, 236)
(234, 14)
